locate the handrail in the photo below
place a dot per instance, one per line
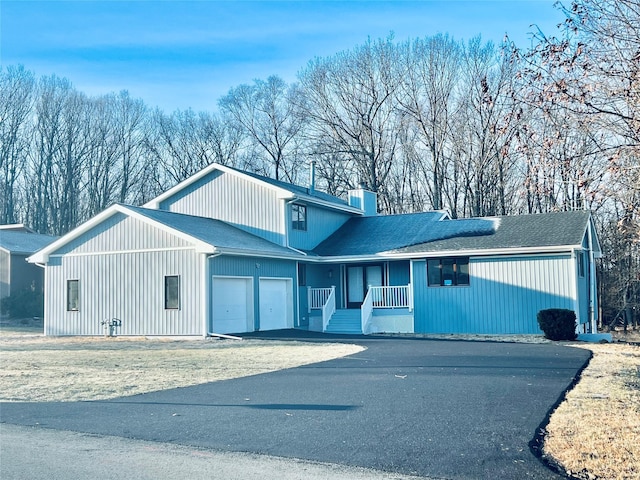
(329, 308)
(366, 310)
(317, 297)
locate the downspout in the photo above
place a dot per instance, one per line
(593, 288)
(575, 287)
(593, 292)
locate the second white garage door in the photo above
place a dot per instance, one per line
(276, 303)
(232, 305)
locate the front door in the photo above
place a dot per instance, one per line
(359, 278)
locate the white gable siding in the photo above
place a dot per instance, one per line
(126, 286)
(321, 223)
(121, 233)
(504, 296)
(245, 204)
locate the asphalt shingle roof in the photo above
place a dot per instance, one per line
(520, 231)
(24, 242)
(213, 232)
(425, 232)
(371, 235)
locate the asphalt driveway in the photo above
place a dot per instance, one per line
(444, 409)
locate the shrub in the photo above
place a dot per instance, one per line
(23, 304)
(558, 323)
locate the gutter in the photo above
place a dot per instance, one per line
(450, 253)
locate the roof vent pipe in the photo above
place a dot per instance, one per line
(312, 175)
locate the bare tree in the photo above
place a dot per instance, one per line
(350, 104)
(489, 114)
(592, 70)
(267, 113)
(17, 87)
(428, 95)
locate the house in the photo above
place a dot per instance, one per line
(18, 242)
(228, 251)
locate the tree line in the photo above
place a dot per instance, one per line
(430, 123)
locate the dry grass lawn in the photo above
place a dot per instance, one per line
(45, 369)
(593, 434)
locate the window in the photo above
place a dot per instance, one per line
(172, 292)
(581, 264)
(448, 272)
(73, 295)
(302, 275)
(298, 217)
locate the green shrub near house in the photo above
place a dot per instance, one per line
(23, 304)
(558, 323)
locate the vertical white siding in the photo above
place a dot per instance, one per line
(244, 204)
(120, 265)
(504, 295)
(119, 233)
(127, 286)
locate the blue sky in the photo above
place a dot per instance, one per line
(187, 54)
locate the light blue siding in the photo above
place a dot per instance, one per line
(325, 276)
(121, 233)
(504, 295)
(257, 268)
(398, 273)
(127, 286)
(244, 204)
(321, 223)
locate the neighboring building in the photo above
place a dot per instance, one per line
(228, 251)
(17, 242)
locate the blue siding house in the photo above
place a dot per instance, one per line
(228, 251)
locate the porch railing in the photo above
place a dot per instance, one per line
(317, 297)
(398, 296)
(323, 299)
(392, 297)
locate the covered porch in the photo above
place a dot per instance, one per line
(362, 298)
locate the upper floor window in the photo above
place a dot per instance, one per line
(581, 268)
(448, 272)
(298, 217)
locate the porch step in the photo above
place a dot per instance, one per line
(345, 321)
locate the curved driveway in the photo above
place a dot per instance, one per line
(444, 409)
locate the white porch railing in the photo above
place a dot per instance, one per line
(317, 297)
(391, 297)
(399, 296)
(323, 299)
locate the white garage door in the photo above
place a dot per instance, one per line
(232, 305)
(276, 304)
